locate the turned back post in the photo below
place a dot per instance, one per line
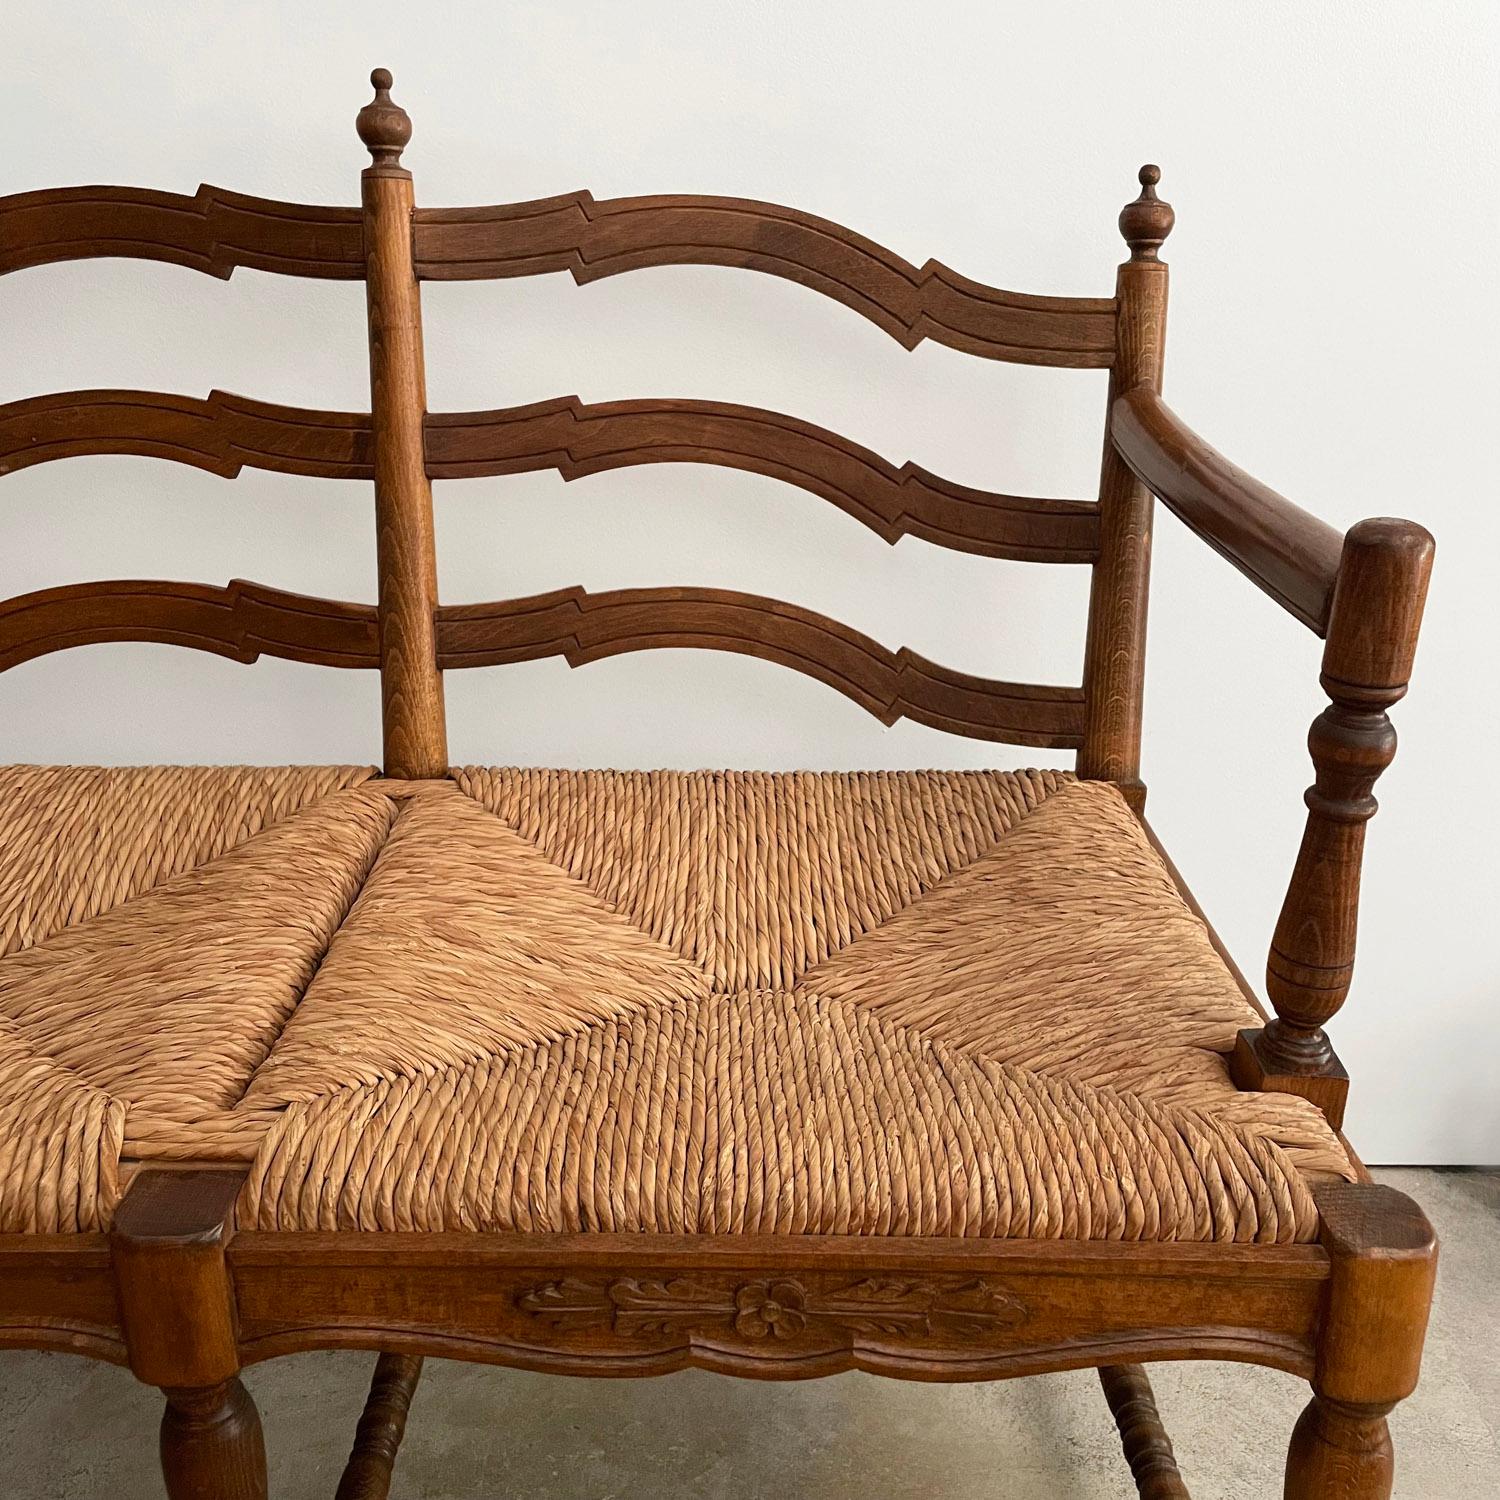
(414, 729)
(1114, 670)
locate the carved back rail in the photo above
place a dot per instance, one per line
(393, 245)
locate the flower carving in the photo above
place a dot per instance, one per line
(778, 1310)
(770, 1309)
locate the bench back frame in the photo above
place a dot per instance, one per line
(393, 245)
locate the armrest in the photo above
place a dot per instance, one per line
(1363, 593)
(1291, 555)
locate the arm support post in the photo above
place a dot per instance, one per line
(1364, 594)
(1372, 635)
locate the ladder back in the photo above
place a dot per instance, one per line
(409, 636)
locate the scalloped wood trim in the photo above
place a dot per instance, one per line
(592, 238)
(584, 627)
(221, 434)
(224, 433)
(1063, 1305)
(244, 621)
(57, 1292)
(240, 620)
(213, 231)
(578, 439)
(781, 1307)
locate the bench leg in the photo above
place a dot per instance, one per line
(211, 1445)
(176, 1300)
(1383, 1257)
(1340, 1450)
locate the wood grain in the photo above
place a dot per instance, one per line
(578, 439)
(167, 1247)
(211, 1444)
(240, 620)
(382, 1425)
(960, 1310)
(57, 1291)
(1291, 555)
(458, 1295)
(1114, 670)
(224, 433)
(1373, 622)
(1383, 1258)
(592, 238)
(584, 627)
(176, 1299)
(1148, 1449)
(213, 231)
(221, 433)
(411, 686)
(244, 621)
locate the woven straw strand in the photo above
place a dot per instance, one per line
(767, 1113)
(76, 841)
(948, 1003)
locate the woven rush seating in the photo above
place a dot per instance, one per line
(933, 1003)
(934, 1075)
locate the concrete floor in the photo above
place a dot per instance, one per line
(72, 1430)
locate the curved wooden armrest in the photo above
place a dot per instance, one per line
(1363, 593)
(1291, 555)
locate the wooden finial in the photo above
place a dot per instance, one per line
(1147, 221)
(383, 125)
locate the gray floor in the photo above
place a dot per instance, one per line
(71, 1429)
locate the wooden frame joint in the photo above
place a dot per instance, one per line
(172, 1282)
(1326, 1084)
(1383, 1254)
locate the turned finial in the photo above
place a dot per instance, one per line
(382, 124)
(1146, 221)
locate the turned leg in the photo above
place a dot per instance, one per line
(1341, 1450)
(176, 1300)
(1383, 1256)
(211, 1447)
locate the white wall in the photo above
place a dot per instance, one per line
(1333, 328)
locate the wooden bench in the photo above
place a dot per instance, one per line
(939, 1075)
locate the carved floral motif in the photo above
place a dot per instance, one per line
(775, 1309)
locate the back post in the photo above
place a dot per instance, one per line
(1114, 669)
(411, 687)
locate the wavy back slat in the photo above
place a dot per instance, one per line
(584, 627)
(578, 439)
(214, 231)
(221, 434)
(393, 246)
(240, 620)
(592, 238)
(224, 433)
(244, 621)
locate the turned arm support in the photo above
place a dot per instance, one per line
(1364, 594)
(1373, 621)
